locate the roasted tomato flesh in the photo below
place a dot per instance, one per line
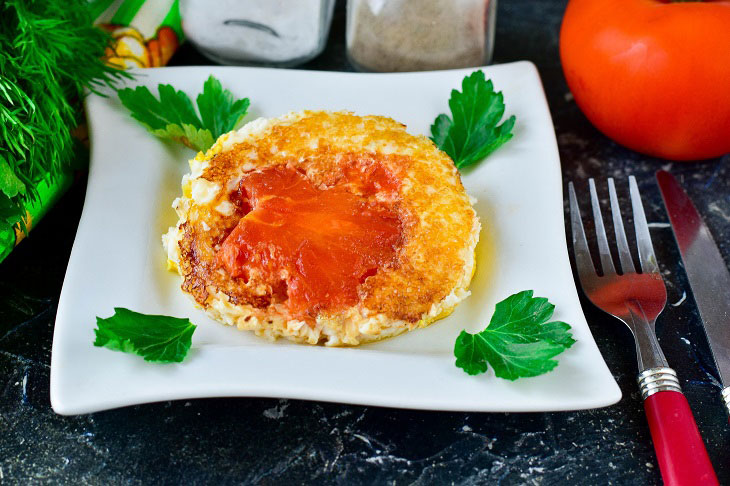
(312, 245)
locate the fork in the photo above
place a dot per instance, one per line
(637, 299)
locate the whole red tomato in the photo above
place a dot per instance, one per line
(652, 75)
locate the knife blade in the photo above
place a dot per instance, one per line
(706, 270)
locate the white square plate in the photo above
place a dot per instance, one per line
(118, 261)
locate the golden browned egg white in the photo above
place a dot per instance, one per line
(264, 258)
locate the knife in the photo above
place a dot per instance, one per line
(706, 270)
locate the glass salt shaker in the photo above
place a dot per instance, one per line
(257, 32)
(420, 35)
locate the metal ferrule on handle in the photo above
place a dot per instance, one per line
(655, 380)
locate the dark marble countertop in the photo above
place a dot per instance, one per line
(267, 441)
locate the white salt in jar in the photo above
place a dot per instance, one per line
(259, 32)
(420, 35)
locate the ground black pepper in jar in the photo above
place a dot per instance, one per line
(419, 35)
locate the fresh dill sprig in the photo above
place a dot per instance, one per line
(49, 52)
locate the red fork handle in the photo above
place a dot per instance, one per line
(679, 448)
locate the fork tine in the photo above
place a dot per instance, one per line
(581, 252)
(603, 250)
(643, 239)
(624, 254)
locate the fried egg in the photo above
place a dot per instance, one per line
(324, 228)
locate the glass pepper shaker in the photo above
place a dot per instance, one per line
(419, 35)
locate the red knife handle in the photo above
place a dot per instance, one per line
(679, 447)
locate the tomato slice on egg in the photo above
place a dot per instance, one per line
(316, 245)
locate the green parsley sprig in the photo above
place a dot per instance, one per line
(160, 339)
(173, 116)
(473, 131)
(518, 342)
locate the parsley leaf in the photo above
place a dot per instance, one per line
(473, 133)
(220, 114)
(173, 116)
(156, 338)
(518, 342)
(188, 135)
